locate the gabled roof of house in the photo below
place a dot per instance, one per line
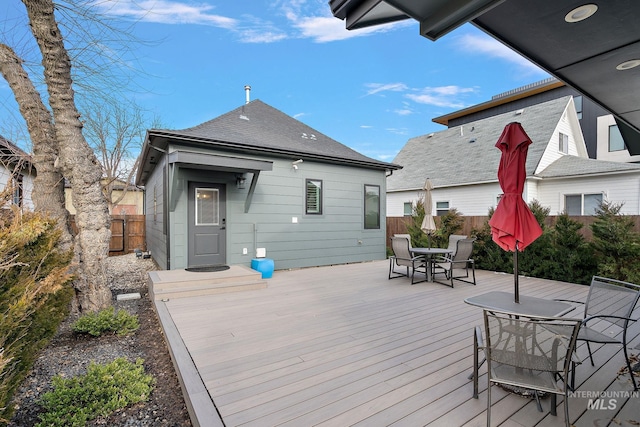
(259, 128)
(467, 154)
(573, 166)
(11, 153)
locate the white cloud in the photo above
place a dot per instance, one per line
(376, 88)
(442, 96)
(165, 12)
(479, 44)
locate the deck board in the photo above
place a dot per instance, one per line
(343, 345)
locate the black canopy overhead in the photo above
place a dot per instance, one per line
(592, 46)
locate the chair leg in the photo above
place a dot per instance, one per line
(590, 354)
(629, 367)
(489, 403)
(554, 403)
(473, 272)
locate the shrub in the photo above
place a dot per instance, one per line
(616, 244)
(107, 320)
(449, 223)
(101, 391)
(33, 296)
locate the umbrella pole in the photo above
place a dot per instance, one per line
(515, 275)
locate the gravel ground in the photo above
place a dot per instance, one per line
(69, 354)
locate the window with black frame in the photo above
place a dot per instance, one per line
(371, 207)
(313, 197)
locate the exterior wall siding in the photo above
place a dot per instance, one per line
(337, 236)
(468, 200)
(156, 238)
(616, 188)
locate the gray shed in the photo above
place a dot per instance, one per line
(255, 179)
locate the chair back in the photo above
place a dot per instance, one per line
(529, 351)
(453, 240)
(400, 248)
(464, 249)
(406, 236)
(610, 297)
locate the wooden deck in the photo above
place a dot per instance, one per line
(343, 345)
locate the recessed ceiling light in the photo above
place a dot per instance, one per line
(628, 64)
(581, 13)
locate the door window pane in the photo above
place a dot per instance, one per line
(207, 206)
(371, 207)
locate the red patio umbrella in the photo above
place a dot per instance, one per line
(513, 226)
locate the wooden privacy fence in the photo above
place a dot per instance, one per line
(398, 225)
(127, 233)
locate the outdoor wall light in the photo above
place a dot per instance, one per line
(240, 182)
(295, 164)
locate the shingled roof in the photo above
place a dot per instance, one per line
(259, 128)
(11, 153)
(467, 154)
(572, 166)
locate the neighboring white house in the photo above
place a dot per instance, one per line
(610, 145)
(16, 171)
(462, 164)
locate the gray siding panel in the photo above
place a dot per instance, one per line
(335, 237)
(156, 239)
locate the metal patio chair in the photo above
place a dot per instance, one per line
(608, 312)
(402, 257)
(528, 352)
(455, 266)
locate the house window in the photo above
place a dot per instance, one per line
(577, 101)
(616, 143)
(372, 207)
(563, 145)
(442, 208)
(408, 208)
(207, 206)
(313, 200)
(582, 204)
(17, 190)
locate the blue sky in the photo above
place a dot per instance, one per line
(370, 89)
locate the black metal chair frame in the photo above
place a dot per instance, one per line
(455, 261)
(614, 314)
(559, 336)
(402, 258)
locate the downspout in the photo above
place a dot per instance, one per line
(165, 208)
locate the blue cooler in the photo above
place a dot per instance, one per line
(264, 266)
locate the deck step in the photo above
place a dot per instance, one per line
(181, 283)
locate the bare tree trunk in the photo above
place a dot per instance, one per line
(78, 162)
(48, 187)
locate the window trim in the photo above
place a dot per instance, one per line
(404, 209)
(441, 212)
(216, 206)
(582, 199)
(379, 207)
(562, 147)
(319, 196)
(622, 147)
